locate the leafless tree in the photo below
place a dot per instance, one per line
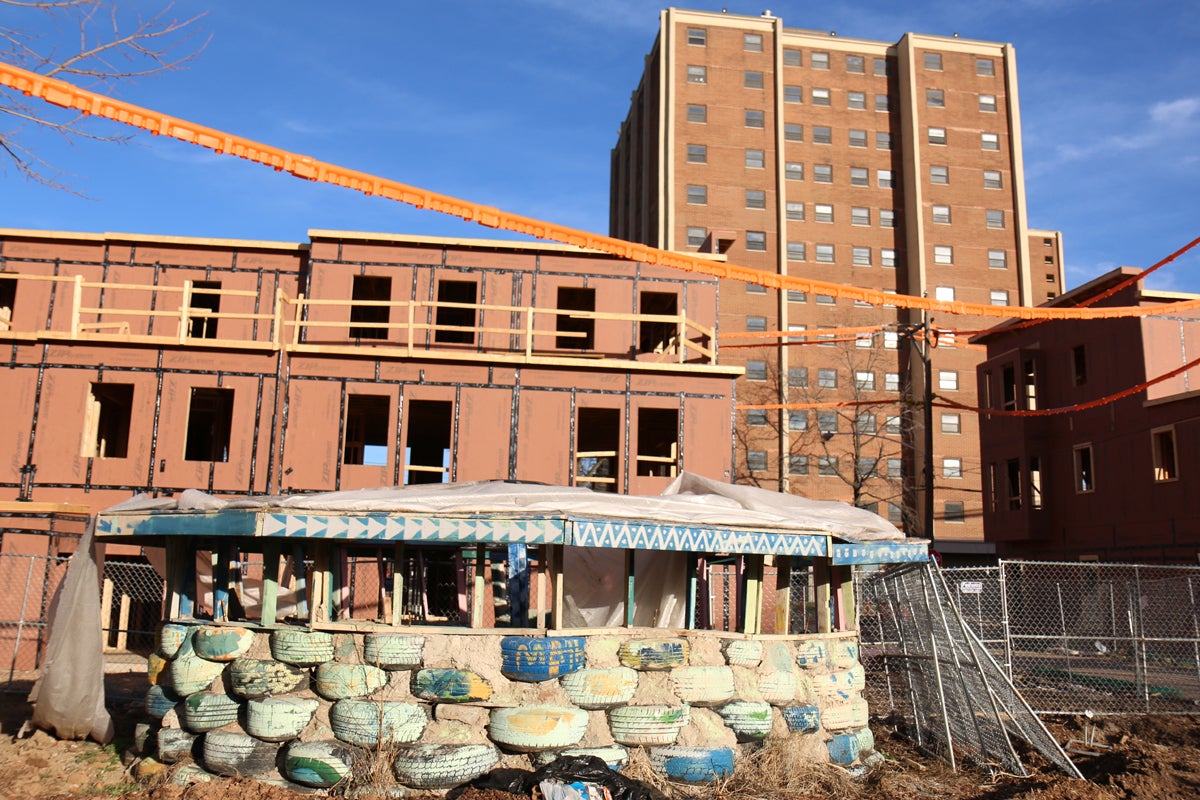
(96, 44)
(860, 443)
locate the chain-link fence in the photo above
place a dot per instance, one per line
(131, 603)
(30, 582)
(938, 679)
(1077, 637)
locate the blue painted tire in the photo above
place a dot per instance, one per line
(443, 766)
(654, 654)
(692, 764)
(843, 748)
(160, 700)
(534, 659)
(802, 719)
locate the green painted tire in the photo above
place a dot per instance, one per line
(600, 688)
(450, 686)
(532, 728)
(337, 681)
(750, 721)
(443, 766)
(171, 637)
(238, 755)
(279, 719)
(703, 686)
(321, 765)
(393, 650)
(368, 723)
(300, 647)
(206, 711)
(221, 643)
(254, 678)
(648, 725)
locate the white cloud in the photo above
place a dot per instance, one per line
(1157, 126)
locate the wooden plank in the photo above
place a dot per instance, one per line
(270, 590)
(822, 579)
(630, 588)
(221, 556)
(398, 584)
(754, 594)
(479, 588)
(123, 623)
(846, 618)
(106, 598)
(783, 594)
(300, 581)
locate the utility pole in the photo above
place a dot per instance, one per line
(924, 332)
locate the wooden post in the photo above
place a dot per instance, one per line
(322, 579)
(630, 589)
(693, 562)
(540, 591)
(822, 580)
(181, 583)
(783, 594)
(556, 575)
(479, 587)
(398, 584)
(270, 586)
(300, 579)
(221, 556)
(106, 598)
(754, 574)
(845, 620)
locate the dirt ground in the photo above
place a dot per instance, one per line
(1140, 758)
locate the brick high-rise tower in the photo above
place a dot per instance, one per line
(895, 166)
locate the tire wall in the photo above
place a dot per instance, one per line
(310, 707)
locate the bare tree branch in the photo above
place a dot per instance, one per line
(93, 42)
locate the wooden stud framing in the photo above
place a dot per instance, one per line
(270, 585)
(783, 594)
(822, 580)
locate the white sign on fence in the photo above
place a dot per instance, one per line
(971, 587)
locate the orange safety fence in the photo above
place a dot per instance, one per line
(66, 95)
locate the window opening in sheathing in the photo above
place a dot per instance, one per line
(427, 443)
(655, 336)
(598, 444)
(8, 301)
(106, 420)
(451, 321)
(366, 319)
(658, 442)
(367, 430)
(205, 300)
(210, 418)
(575, 333)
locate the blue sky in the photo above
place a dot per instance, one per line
(517, 103)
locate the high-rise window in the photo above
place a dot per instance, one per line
(697, 113)
(823, 173)
(752, 42)
(987, 102)
(858, 138)
(859, 176)
(941, 214)
(697, 154)
(752, 79)
(754, 118)
(796, 251)
(793, 94)
(943, 254)
(887, 218)
(860, 215)
(884, 178)
(795, 211)
(883, 140)
(820, 97)
(880, 67)
(819, 60)
(887, 257)
(756, 370)
(992, 179)
(933, 61)
(793, 132)
(882, 103)
(697, 195)
(697, 74)
(793, 171)
(951, 467)
(756, 198)
(1085, 477)
(861, 256)
(999, 297)
(823, 212)
(995, 219)
(696, 236)
(697, 37)
(756, 240)
(856, 64)
(947, 380)
(825, 253)
(755, 159)
(951, 423)
(937, 135)
(792, 57)
(856, 100)
(822, 134)
(985, 67)
(989, 141)
(939, 174)
(935, 98)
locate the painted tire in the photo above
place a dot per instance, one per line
(442, 766)
(190, 674)
(703, 686)
(779, 657)
(615, 756)
(206, 711)
(318, 764)
(450, 686)
(812, 653)
(600, 688)
(692, 764)
(160, 700)
(175, 745)
(368, 723)
(843, 748)
(254, 678)
(144, 735)
(534, 659)
(220, 643)
(532, 728)
(647, 725)
(866, 740)
(840, 686)
(393, 650)
(187, 774)
(845, 716)
(171, 637)
(300, 647)
(654, 654)
(279, 719)
(751, 721)
(337, 681)
(743, 652)
(802, 719)
(778, 688)
(236, 754)
(157, 668)
(843, 653)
